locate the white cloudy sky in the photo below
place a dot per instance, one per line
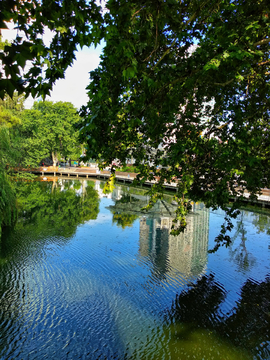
(72, 88)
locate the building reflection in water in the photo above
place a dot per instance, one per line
(185, 253)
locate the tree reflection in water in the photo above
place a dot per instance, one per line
(56, 206)
(247, 326)
(195, 326)
(240, 255)
(49, 209)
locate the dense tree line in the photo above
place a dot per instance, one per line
(29, 136)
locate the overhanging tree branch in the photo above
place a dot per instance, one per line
(262, 42)
(224, 84)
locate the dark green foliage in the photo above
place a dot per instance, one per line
(10, 109)
(7, 197)
(73, 23)
(183, 86)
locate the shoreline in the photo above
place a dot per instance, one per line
(123, 177)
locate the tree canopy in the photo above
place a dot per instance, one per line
(47, 130)
(182, 87)
(185, 87)
(30, 65)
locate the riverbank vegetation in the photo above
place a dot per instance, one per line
(7, 196)
(9, 118)
(183, 86)
(26, 138)
(128, 168)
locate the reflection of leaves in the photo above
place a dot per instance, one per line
(199, 304)
(262, 222)
(240, 255)
(76, 184)
(249, 323)
(45, 212)
(123, 220)
(240, 229)
(7, 201)
(126, 198)
(246, 326)
(57, 212)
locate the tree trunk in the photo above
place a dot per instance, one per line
(54, 158)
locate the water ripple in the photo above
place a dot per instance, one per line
(104, 293)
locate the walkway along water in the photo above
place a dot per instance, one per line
(124, 177)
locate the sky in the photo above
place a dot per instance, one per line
(73, 87)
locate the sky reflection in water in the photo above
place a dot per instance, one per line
(84, 276)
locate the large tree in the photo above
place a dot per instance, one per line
(47, 130)
(183, 86)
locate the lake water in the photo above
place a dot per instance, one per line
(86, 275)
